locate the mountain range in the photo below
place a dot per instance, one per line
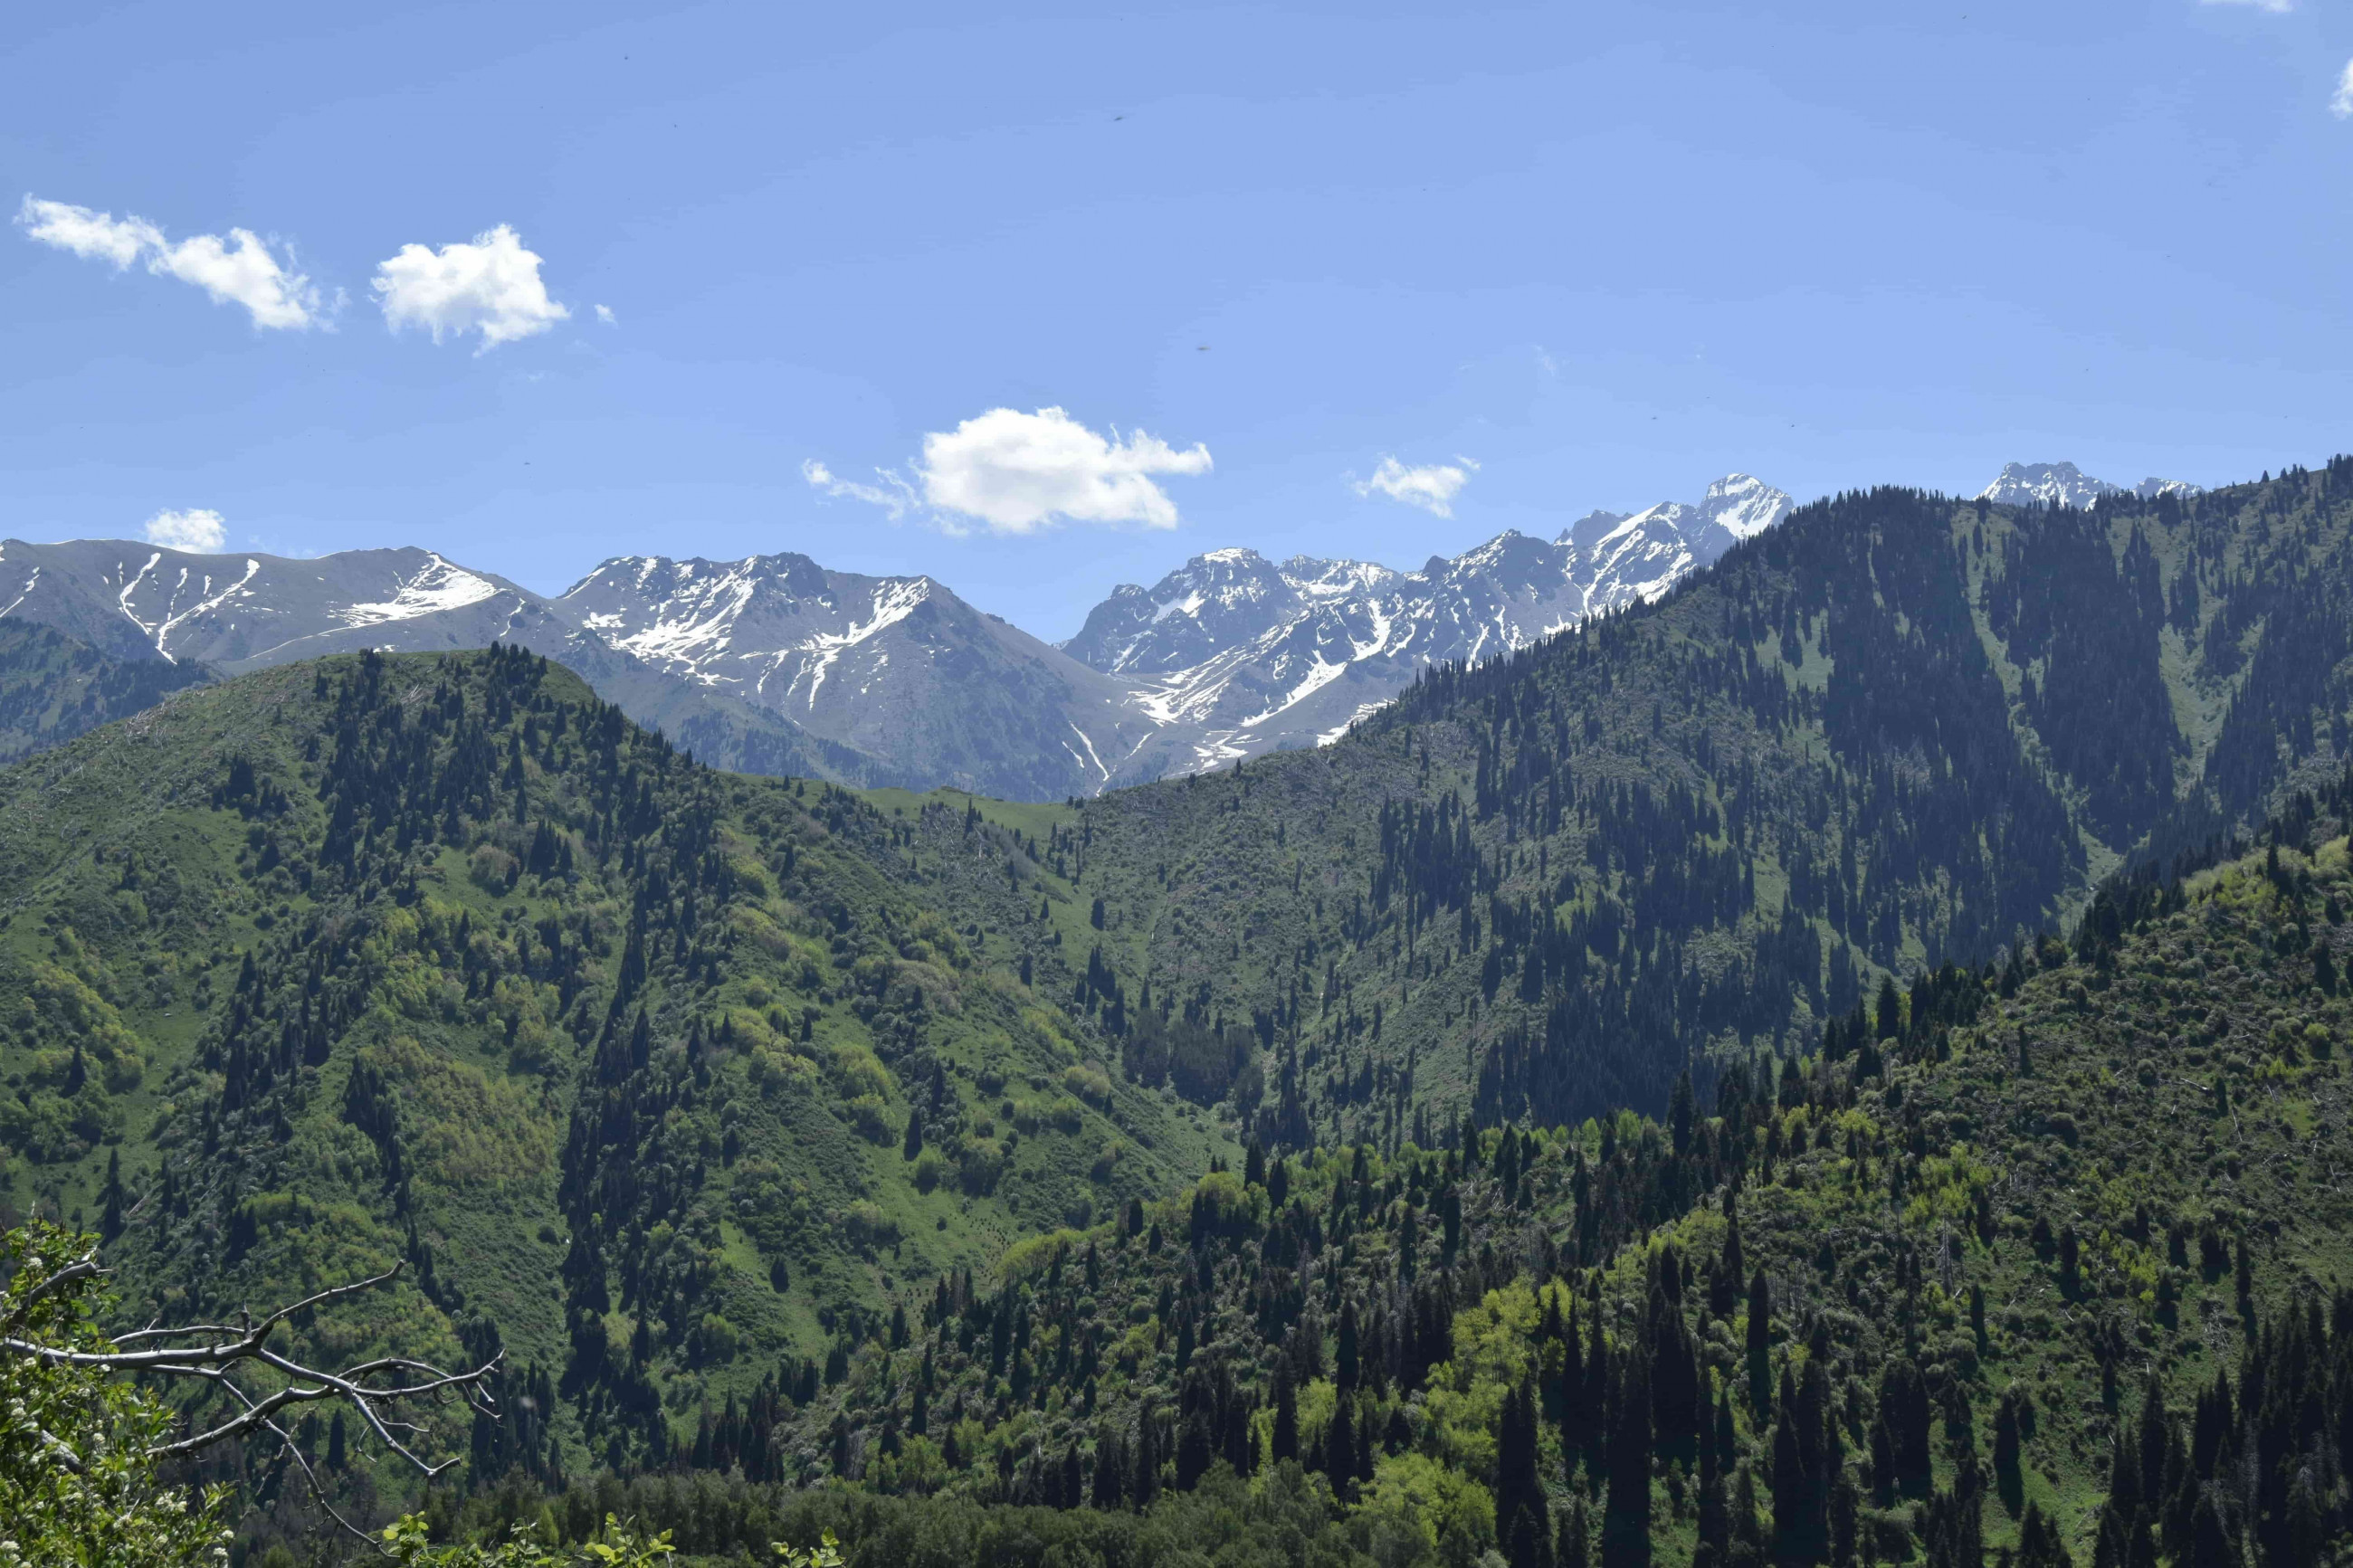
(201, 615)
(774, 664)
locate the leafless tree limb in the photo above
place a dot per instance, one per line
(373, 1388)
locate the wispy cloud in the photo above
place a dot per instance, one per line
(237, 269)
(491, 287)
(2275, 7)
(1432, 487)
(2340, 103)
(893, 495)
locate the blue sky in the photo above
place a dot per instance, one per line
(1604, 253)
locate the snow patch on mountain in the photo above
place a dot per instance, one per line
(894, 604)
(205, 603)
(438, 585)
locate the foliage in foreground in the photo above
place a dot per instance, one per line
(76, 1483)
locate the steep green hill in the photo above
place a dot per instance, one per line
(438, 958)
(1894, 730)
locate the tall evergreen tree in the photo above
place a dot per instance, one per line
(1626, 1520)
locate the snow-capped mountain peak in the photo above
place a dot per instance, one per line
(896, 667)
(2044, 484)
(1743, 506)
(239, 609)
(772, 626)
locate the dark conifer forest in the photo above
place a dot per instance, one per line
(1844, 1065)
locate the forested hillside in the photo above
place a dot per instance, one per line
(53, 688)
(2039, 1262)
(647, 1072)
(1894, 730)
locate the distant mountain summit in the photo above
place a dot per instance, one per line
(2064, 484)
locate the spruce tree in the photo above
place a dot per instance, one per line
(1340, 1446)
(1517, 1488)
(1626, 1520)
(1147, 1484)
(1760, 1346)
(1715, 1511)
(1111, 1468)
(1530, 1542)
(1285, 1442)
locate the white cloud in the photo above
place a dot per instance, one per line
(1020, 472)
(93, 236)
(605, 314)
(2275, 7)
(198, 528)
(242, 271)
(492, 287)
(1012, 472)
(239, 269)
(2341, 104)
(893, 495)
(1431, 487)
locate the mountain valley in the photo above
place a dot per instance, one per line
(1837, 1059)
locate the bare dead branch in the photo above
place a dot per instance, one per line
(375, 1388)
(153, 1332)
(327, 1386)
